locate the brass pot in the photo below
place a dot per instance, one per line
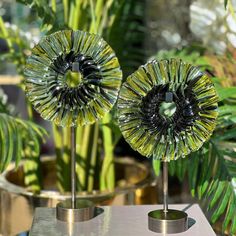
(18, 204)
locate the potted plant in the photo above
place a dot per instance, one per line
(107, 18)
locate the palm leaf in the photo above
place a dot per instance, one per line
(212, 170)
(18, 139)
(212, 179)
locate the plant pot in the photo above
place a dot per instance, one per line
(133, 183)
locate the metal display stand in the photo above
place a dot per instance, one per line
(167, 220)
(74, 210)
(117, 221)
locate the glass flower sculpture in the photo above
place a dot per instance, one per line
(72, 78)
(167, 109)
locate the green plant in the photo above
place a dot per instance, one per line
(19, 139)
(95, 143)
(211, 171)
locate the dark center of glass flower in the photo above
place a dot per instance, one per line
(84, 66)
(163, 109)
(78, 79)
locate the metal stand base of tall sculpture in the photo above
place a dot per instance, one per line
(74, 210)
(167, 220)
(84, 210)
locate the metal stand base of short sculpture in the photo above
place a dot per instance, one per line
(83, 211)
(167, 221)
(170, 222)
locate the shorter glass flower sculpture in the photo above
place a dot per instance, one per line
(167, 109)
(72, 78)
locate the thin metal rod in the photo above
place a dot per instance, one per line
(73, 168)
(165, 186)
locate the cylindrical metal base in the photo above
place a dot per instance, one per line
(173, 221)
(84, 210)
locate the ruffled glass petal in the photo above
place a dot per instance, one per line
(167, 109)
(75, 99)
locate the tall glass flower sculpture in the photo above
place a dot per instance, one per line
(72, 78)
(167, 109)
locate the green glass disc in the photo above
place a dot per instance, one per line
(72, 78)
(167, 109)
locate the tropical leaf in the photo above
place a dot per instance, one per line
(226, 92)
(16, 138)
(32, 136)
(212, 170)
(212, 176)
(20, 139)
